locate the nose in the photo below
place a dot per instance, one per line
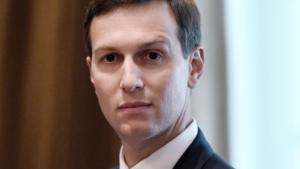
(131, 80)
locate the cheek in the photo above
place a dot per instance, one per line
(105, 91)
(105, 85)
(177, 90)
(174, 95)
(106, 102)
(171, 91)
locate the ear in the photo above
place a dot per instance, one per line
(196, 62)
(88, 60)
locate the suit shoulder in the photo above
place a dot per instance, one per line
(216, 162)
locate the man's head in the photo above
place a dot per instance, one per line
(142, 79)
(185, 12)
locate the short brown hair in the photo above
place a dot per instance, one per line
(185, 11)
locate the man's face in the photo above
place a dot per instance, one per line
(138, 70)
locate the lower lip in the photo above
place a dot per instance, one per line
(136, 110)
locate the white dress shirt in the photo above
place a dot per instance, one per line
(167, 156)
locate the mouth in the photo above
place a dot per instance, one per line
(134, 107)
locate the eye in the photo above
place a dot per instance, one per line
(155, 56)
(110, 58)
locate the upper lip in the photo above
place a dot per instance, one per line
(133, 104)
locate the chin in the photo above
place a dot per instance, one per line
(137, 130)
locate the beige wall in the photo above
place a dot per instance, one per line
(209, 97)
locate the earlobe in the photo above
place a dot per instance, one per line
(196, 66)
(89, 64)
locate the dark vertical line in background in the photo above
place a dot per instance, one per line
(14, 62)
(3, 114)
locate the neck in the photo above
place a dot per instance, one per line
(136, 150)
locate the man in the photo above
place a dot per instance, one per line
(144, 59)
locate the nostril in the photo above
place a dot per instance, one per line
(131, 79)
(131, 84)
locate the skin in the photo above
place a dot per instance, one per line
(141, 78)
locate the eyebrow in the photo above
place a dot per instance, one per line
(154, 41)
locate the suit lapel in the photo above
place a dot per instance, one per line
(196, 155)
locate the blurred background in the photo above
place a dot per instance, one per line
(247, 102)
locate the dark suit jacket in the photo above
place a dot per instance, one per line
(199, 155)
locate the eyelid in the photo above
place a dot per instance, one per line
(161, 53)
(101, 59)
(146, 56)
(109, 53)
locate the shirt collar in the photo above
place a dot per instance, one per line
(167, 156)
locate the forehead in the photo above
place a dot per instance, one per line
(153, 18)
